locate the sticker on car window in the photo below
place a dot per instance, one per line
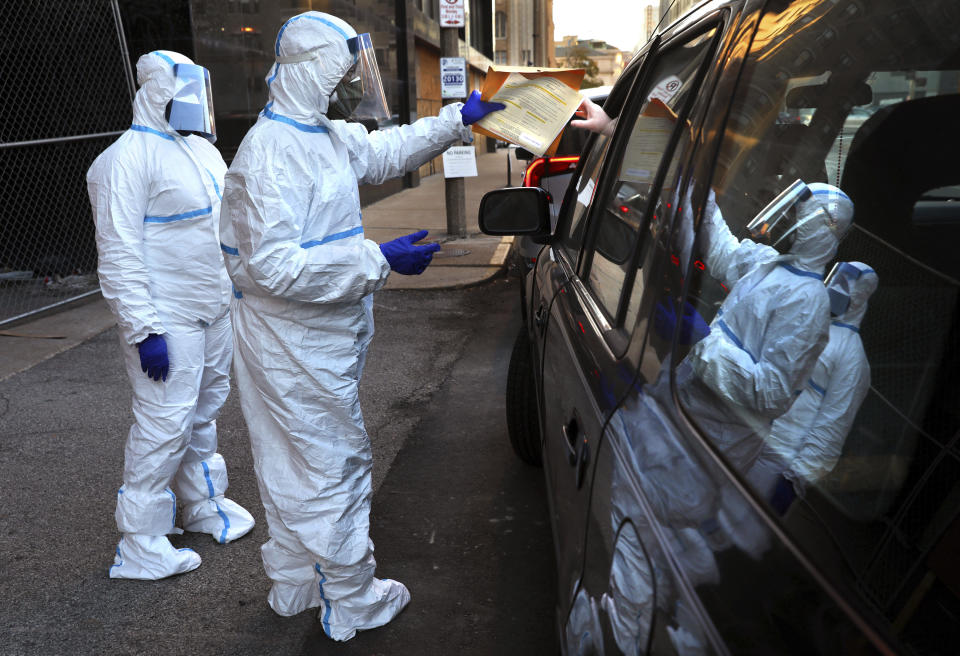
(666, 89)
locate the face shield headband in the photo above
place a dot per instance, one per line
(359, 94)
(776, 224)
(190, 111)
(840, 283)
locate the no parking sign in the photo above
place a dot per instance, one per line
(452, 13)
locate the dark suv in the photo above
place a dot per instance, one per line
(650, 409)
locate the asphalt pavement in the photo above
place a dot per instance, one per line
(455, 515)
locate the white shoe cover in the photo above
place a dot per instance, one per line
(381, 602)
(222, 518)
(288, 600)
(150, 558)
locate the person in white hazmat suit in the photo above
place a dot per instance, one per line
(773, 325)
(303, 275)
(155, 195)
(805, 443)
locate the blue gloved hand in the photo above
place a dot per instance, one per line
(692, 326)
(153, 357)
(783, 495)
(475, 109)
(406, 258)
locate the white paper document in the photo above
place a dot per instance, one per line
(537, 110)
(460, 162)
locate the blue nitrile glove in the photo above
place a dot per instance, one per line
(783, 495)
(692, 326)
(475, 109)
(406, 258)
(153, 357)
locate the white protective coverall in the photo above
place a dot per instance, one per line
(156, 197)
(768, 332)
(303, 275)
(805, 443)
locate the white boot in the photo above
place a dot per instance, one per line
(377, 605)
(222, 518)
(200, 487)
(150, 558)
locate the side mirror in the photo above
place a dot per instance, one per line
(516, 211)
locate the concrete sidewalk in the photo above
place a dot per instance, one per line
(461, 262)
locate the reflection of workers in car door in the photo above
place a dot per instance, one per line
(805, 443)
(772, 327)
(769, 331)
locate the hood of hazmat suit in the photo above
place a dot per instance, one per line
(303, 275)
(805, 443)
(155, 196)
(771, 328)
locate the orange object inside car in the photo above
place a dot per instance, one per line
(547, 166)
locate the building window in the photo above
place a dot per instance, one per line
(501, 25)
(500, 57)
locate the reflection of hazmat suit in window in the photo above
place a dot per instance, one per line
(304, 275)
(156, 200)
(773, 324)
(681, 499)
(805, 443)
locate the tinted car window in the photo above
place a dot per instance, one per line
(624, 206)
(845, 424)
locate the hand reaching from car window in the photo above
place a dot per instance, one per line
(593, 118)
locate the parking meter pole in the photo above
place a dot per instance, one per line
(456, 200)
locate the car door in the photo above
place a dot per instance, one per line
(587, 326)
(638, 565)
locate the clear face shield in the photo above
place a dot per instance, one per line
(359, 95)
(190, 111)
(840, 283)
(776, 224)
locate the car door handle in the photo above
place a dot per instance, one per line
(570, 432)
(540, 316)
(578, 449)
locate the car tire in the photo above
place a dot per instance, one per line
(522, 424)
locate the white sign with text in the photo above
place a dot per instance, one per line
(460, 162)
(452, 13)
(453, 77)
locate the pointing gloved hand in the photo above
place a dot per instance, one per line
(692, 326)
(475, 109)
(153, 357)
(406, 258)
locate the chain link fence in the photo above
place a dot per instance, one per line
(67, 87)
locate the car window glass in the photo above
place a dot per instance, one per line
(838, 399)
(623, 210)
(586, 184)
(576, 203)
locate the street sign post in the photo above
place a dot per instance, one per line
(453, 87)
(452, 13)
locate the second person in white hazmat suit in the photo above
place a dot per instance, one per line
(155, 194)
(303, 275)
(774, 323)
(805, 443)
